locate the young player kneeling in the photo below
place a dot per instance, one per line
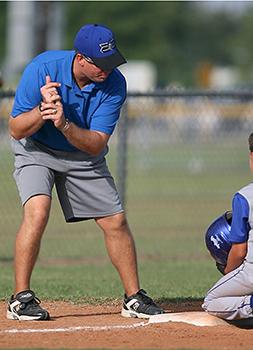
(229, 239)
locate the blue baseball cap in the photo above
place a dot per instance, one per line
(97, 42)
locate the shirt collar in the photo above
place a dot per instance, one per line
(93, 85)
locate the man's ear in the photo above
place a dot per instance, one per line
(80, 59)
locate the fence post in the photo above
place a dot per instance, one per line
(122, 154)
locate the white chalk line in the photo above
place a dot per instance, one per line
(170, 317)
(73, 329)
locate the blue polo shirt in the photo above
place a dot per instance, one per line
(95, 107)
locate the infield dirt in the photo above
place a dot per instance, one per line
(101, 327)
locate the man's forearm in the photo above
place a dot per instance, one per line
(233, 264)
(92, 142)
(236, 256)
(25, 124)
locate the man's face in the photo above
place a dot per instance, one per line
(93, 72)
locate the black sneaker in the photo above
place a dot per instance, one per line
(140, 305)
(25, 307)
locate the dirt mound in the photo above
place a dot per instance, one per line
(79, 327)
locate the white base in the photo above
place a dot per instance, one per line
(197, 318)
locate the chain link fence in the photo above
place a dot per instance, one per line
(177, 158)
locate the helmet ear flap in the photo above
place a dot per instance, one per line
(217, 237)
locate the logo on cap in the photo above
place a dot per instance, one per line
(107, 46)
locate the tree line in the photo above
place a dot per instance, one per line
(178, 36)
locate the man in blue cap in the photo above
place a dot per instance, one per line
(66, 107)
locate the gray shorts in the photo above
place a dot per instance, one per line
(84, 185)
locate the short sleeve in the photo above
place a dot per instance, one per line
(107, 114)
(239, 226)
(28, 93)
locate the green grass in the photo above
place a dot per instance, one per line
(166, 280)
(174, 191)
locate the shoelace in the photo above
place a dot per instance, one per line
(146, 299)
(36, 301)
(32, 303)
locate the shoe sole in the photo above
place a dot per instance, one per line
(133, 314)
(11, 316)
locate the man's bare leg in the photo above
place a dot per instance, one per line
(121, 249)
(35, 218)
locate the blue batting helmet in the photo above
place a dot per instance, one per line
(217, 237)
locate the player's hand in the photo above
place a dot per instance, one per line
(49, 91)
(53, 111)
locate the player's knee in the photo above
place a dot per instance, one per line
(205, 306)
(36, 218)
(213, 305)
(115, 224)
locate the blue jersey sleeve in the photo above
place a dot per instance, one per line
(107, 114)
(239, 226)
(28, 93)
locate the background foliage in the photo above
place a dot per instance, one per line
(3, 10)
(178, 36)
